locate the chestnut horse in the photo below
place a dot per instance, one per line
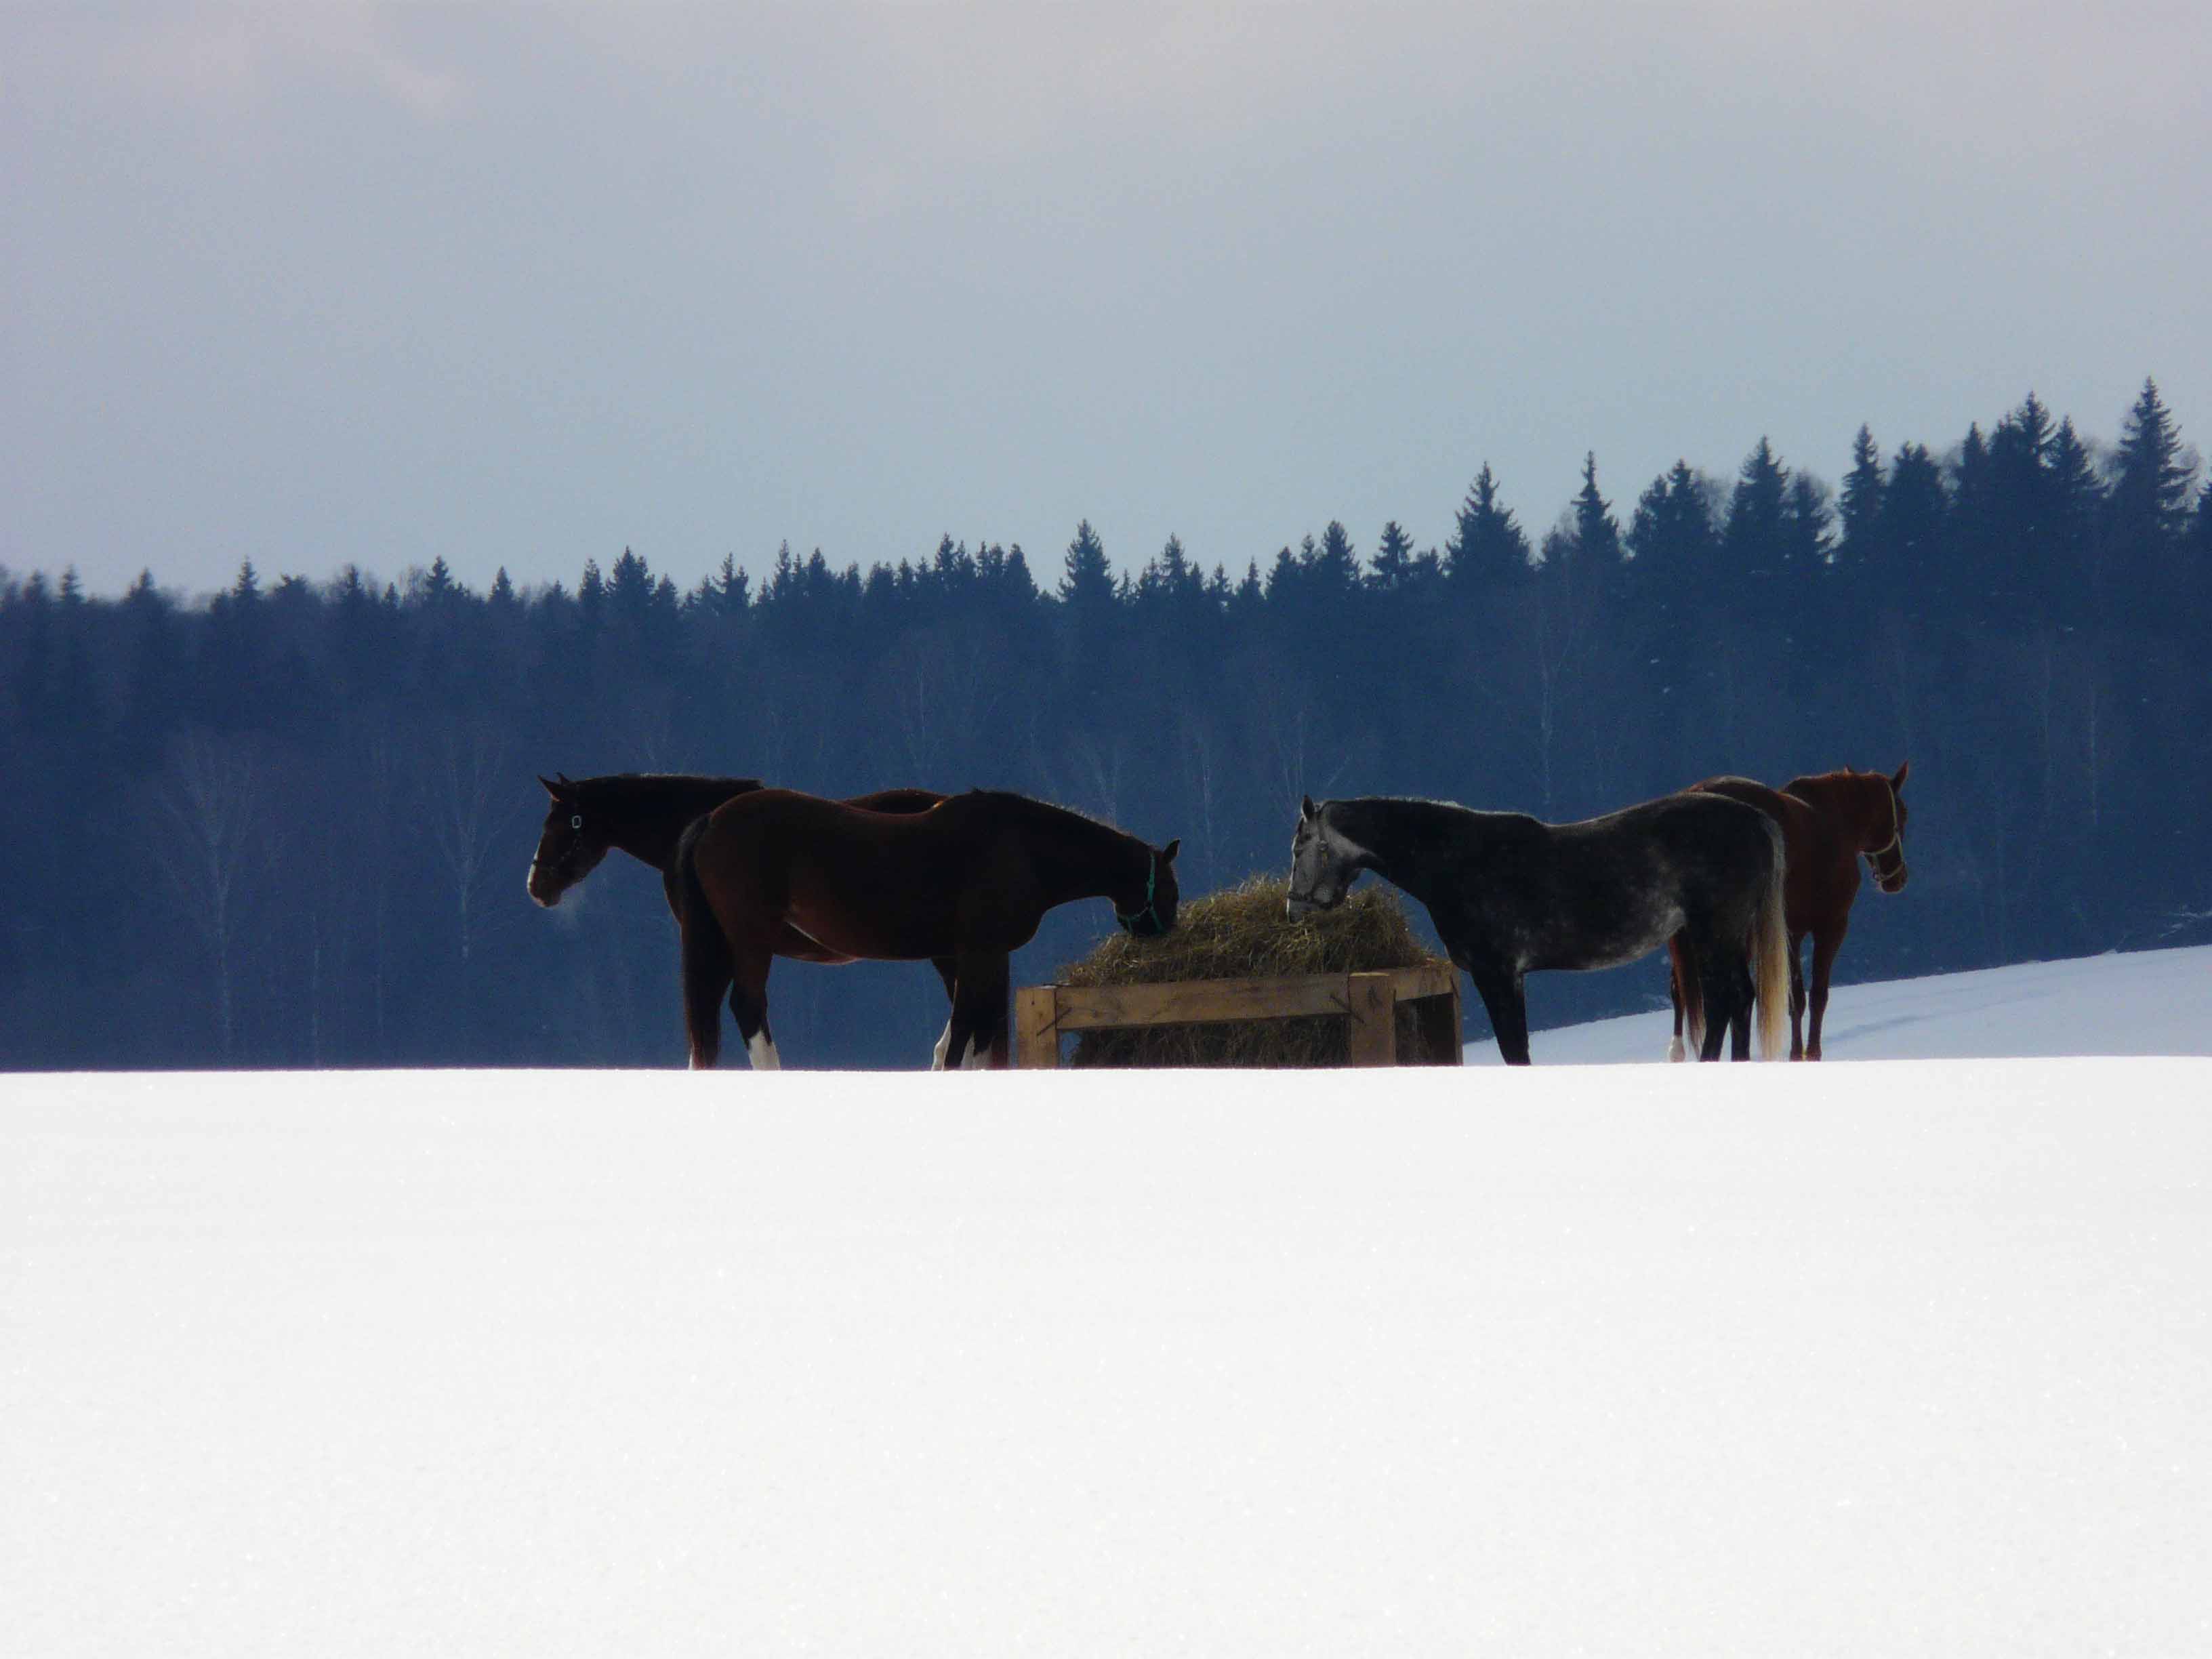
(1829, 821)
(967, 880)
(644, 815)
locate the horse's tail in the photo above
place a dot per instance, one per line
(707, 963)
(1770, 952)
(1689, 998)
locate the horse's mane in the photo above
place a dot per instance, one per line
(1823, 781)
(1031, 806)
(624, 792)
(1421, 806)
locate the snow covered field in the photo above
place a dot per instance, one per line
(1897, 1359)
(2145, 1002)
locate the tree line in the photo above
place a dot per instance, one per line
(286, 825)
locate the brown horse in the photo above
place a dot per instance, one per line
(1829, 821)
(967, 880)
(644, 815)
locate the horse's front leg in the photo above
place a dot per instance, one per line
(1507, 1003)
(706, 965)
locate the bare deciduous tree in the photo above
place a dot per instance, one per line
(209, 801)
(469, 800)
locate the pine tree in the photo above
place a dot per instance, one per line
(630, 589)
(732, 588)
(1334, 571)
(438, 585)
(1807, 516)
(1597, 533)
(1488, 552)
(1086, 583)
(1858, 508)
(1915, 510)
(1753, 542)
(2151, 475)
(2077, 506)
(591, 597)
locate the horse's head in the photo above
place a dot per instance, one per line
(1886, 830)
(1323, 863)
(570, 846)
(1149, 910)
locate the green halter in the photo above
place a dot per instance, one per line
(1130, 922)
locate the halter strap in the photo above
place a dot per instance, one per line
(1896, 829)
(1152, 876)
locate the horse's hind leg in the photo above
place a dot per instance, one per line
(944, 971)
(1719, 972)
(984, 987)
(1796, 996)
(749, 1002)
(1675, 1051)
(977, 1035)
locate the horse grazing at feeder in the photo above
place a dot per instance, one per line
(965, 881)
(644, 815)
(1510, 894)
(1829, 821)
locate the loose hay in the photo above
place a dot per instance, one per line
(1242, 933)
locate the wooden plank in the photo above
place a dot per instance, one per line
(1437, 1019)
(1036, 1027)
(1428, 979)
(1197, 1002)
(1374, 1026)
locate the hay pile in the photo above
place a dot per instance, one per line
(1243, 933)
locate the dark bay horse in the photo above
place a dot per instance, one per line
(1510, 894)
(644, 815)
(1829, 822)
(967, 880)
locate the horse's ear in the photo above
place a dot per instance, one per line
(551, 787)
(1305, 807)
(1168, 852)
(1897, 778)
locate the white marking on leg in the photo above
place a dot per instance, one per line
(762, 1053)
(943, 1042)
(1675, 1051)
(978, 1056)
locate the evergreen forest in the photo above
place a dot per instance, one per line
(286, 825)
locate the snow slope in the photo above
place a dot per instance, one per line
(2145, 1002)
(1903, 1358)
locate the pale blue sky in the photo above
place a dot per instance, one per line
(523, 285)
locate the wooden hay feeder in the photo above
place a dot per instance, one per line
(1370, 1002)
(1237, 983)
